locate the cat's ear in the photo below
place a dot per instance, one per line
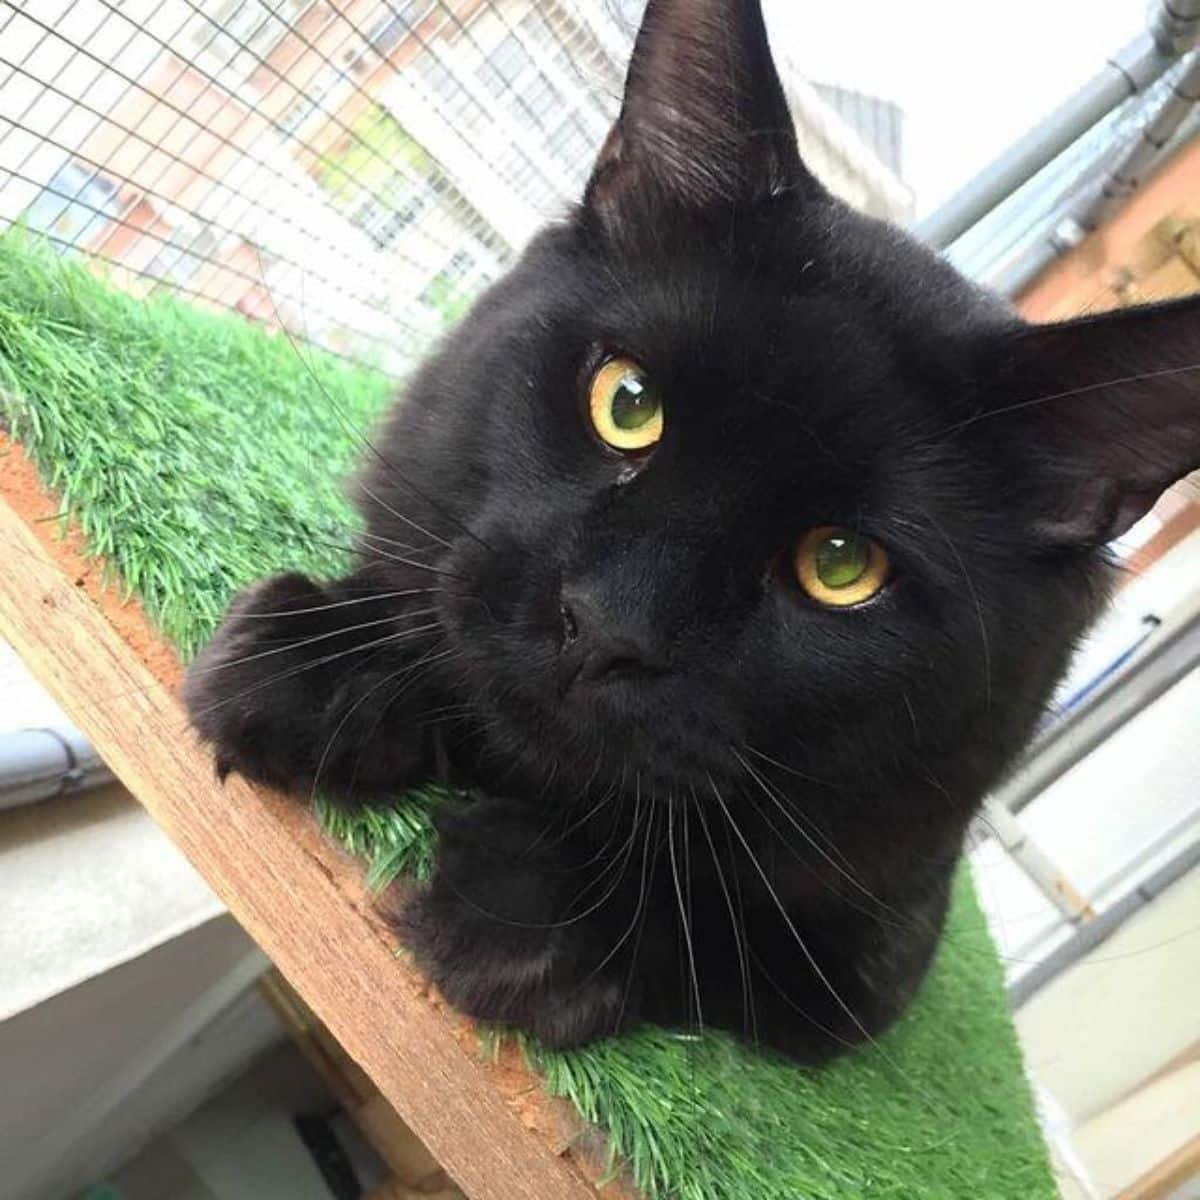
(704, 123)
(1104, 411)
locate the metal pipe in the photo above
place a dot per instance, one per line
(1127, 176)
(1174, 29)
(1029, 263)
(1172, 652)
(39, 764)
(1018, 274)
(1091, 934)
(1175, 25)
(1126, 74)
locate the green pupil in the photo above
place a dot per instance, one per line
(633, 404)
(842, 560)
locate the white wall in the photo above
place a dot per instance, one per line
(1124, 809)
(106, 1064)
(89, 882)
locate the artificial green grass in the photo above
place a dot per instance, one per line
(198, 453)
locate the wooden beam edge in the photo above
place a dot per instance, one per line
(1180, 1167)
(490, 1125)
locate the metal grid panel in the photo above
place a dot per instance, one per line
(351, 170)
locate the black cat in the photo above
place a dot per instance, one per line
(725, 555)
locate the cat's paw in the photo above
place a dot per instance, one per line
(253, 693)
(493, 972)
(303, 688)
(498, 934)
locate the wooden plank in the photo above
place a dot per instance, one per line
(1183, 1166)
(344, 1078)
(396, 1190)
(298, 897)
(405, 1154)
(407, 1159)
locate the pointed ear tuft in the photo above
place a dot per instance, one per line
(1104, 413)
(704, 123)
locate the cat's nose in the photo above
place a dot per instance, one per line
(596, 645)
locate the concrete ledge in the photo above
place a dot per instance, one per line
(90, 882)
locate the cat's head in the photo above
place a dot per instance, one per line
(748, 476)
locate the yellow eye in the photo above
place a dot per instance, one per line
(839, 567)
(625, 406)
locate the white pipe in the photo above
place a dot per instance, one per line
(39, 764)
(1037, 865)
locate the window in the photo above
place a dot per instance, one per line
(570, 51)
(445, 282)
(450, 292)
(514, 166)
(571, 146)
(460, 266)
(502, 68)
(387, 33)
(249, 24)
(401, 21)
(297, 115)
(384, 223)
(74, 206)
(226, 28)
(440, 81)
(512, 75)
(312, 95)
(179, 258)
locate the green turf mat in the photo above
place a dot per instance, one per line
(198, 453)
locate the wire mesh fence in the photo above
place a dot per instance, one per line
(351, 171)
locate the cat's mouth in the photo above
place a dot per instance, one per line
(566, 716)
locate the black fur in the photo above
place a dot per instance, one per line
(651, 720)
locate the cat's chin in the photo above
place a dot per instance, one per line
(615, 735)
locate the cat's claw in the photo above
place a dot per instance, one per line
(244, 688)
(278, 693)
